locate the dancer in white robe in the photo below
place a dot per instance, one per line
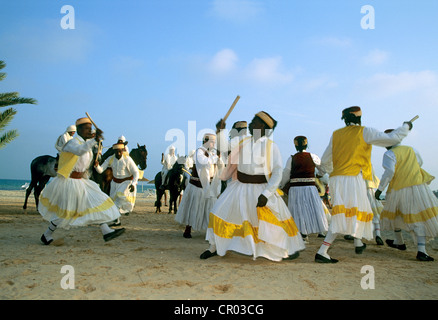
(203, 188)
(65, 137)
(125, 178)
(348, 160)
(71, 199)
(410, 203)
(304, 202)
(250, 217)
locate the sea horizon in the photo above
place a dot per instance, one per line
(20, 184)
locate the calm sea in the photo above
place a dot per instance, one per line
(13, 184)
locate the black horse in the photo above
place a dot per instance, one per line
(175, 184)
(42, 168)
(139, 155)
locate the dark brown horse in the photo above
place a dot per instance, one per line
(175, 184)
(42, 168)
(139, 155)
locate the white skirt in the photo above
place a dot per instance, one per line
(351, 213)
(79, 202)
(412, 209)
(237, 224)
(194, 208)
(307, 209)
(122, 197)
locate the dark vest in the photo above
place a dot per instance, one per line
(303, 170)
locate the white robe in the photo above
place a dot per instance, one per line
(197, 202)
(349, 193)
(79, 202)
(237, 224)
(119, 192)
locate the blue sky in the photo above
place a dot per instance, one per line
(142, 68)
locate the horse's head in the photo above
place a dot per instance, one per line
(179, 164)
(140, 156)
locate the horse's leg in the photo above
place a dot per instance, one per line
(158, 201)
(41, 184)
(165, 197)
(170, 200)
(28, 192)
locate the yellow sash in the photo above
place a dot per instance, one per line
(351, 154)
(407, 170)
(67, 161)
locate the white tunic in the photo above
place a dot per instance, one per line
(237, 224)
(351, 207)
(197, 202)
(62, 140)
(79, 202)
(122, 168)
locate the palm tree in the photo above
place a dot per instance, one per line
(6, 100)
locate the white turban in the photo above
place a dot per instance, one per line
(71, 128)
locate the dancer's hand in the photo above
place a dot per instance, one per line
(261, 201)
(377, 194)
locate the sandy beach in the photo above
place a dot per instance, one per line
(152, 260)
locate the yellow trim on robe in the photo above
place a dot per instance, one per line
(411, 218)
(73, 214)
(352, 212)
(229, 230)
(289, 226)
(121, 195)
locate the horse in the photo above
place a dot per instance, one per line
(139, 155)
(175, 184)
(42, 168)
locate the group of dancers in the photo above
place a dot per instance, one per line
(236, 185)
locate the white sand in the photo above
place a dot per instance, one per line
(152, 260)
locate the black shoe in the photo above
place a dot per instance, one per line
(208, 254)
(361, 249)
(321, 259)
(45, 241)
(115, 224)
(379, 241)
(421, 256)
(293, 256)
(348, 237)
(397, 246)
(112, 235)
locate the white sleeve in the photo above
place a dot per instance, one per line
(103, 167)
(286, 172)
(316, 159)
(276, 170)
(381, 139)
(133, 169)
(389, 161)
(326, 165)
(79, 149)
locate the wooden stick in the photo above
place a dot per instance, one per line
(231, 108)
(414, 118)
(91, 120)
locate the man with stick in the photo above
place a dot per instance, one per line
(203, 188)
(250, 217)
(347, 159)
(410, 204)
(71, 199)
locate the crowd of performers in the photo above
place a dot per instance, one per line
(239, 192)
